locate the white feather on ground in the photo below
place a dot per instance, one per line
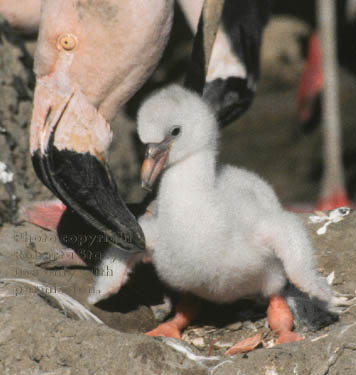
(64, 301)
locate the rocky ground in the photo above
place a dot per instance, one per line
(39, 335)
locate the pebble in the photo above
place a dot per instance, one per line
(198, 342)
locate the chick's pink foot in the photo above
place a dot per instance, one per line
(187, 310)
(167, 329)
(288, 336)
(280, 320)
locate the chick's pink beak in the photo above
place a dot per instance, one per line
(155, 160)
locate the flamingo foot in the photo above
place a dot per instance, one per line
(245, 345)
(288, 336)
(337, 199)
(280, 320)
(45, 214)
(187, 310)
(167, 329)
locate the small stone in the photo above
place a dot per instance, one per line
(221, 344)
(199, 332)
(234, 326)
(198, 342)
(249, 325)
(269, 343)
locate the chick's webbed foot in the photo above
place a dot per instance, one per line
(186, 311)
(167, 329)
(280, 320)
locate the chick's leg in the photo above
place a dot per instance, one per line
(280, 320)
(284, 234)
(186, 311)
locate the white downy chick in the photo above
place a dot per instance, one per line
(220, 234)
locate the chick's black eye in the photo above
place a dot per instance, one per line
(175, 131)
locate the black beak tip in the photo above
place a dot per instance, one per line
(85, 184)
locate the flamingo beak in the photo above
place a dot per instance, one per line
(69, 142)
(155, 160)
